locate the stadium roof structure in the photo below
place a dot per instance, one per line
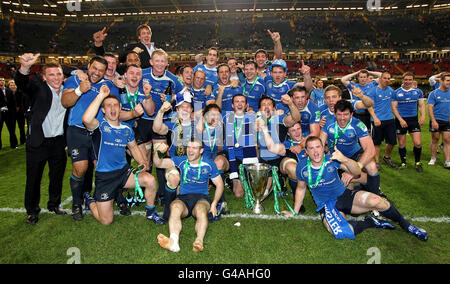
(124, 8)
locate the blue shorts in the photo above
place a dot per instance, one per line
(413, 125)
(190, 200)
(109, 184)
(79, 144)
(386, 131)
(444, 126)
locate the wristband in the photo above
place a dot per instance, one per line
(78, 91)
(360, 165)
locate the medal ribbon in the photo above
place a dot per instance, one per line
(338, 132)
(213, 143)
(132, 98)
(251, 88)
(319, 175)
(237, 131)
(186, 169)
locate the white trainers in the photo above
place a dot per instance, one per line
(432, 162)
(447, 164)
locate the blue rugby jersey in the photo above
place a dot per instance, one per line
(193, 184)
(129, 106)
(364, 88)
(318, 96)
(210, 73)
(329, 187)
(253, 94)
(227, 97)
(159, 86)
(77, 110)
(309, 115)
(275, 91)
(212, 138)
(348, 142)
(382, 102)
(109, 145)
(199, 98)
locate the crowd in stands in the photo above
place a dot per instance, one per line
(321, 31)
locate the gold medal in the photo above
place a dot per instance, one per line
(236, 145)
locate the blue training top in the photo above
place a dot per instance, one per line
(441, 104)
(382, 102)
(407, 101)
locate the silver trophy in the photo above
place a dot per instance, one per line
(258, 178)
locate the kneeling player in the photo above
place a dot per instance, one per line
(113, 173)
(196, 171)
(320, 171)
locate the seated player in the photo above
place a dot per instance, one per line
(113, 172)
(320, 173)
(182, 129)
(193, 200)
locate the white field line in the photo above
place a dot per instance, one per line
(442, 219)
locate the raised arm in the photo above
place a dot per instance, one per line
(89, 117)
(276, 148)
(277, 48)
(307, 80)
(347, 78)
(294, 114)
(158, 125)
(365, 102)
(71, 96)
(347, 164)
(162, 163)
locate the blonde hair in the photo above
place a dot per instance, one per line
(160, 52)
(333, 88)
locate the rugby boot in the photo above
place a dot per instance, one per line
(419, 167)
(389, 162)
(155, 218)
(77, 213)
(379, 223)
(421, 234)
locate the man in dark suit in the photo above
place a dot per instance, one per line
(7, 113)
(144, 47)
(20, 109)
(45, 141)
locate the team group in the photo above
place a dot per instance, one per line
(201, 123)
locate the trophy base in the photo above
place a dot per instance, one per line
(258, 208)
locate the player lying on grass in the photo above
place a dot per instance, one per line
(334, 200)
